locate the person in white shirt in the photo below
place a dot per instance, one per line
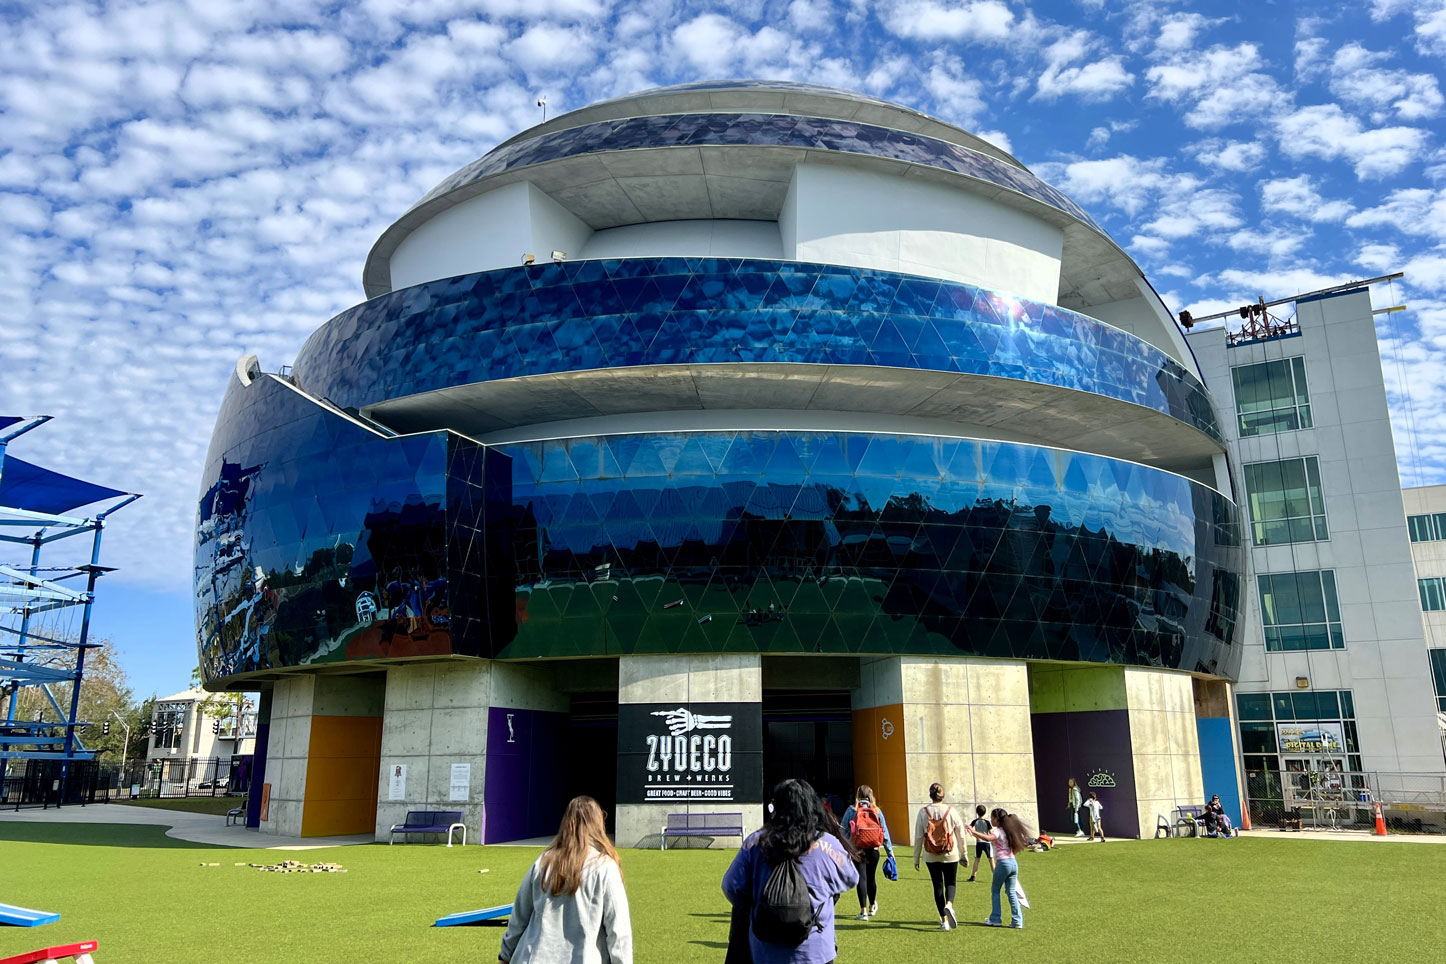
(939, 841)
(1095, 808)
(571, 907)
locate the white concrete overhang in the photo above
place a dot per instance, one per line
(749, 182)
(1014, 409)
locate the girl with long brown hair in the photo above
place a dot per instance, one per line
(1008, 838)
(571, 907)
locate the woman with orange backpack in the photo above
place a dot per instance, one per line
(864, 822)
(939, 836)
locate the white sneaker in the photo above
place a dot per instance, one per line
(861, 916)
(944, 925)
(1079, 833)
(950, 916)
(990, 923)
(874, 909)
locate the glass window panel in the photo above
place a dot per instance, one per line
(1300, 610)
(1438, 525)
(1257, 738)
(1286, 502)
(1328, 707)
(1438, 672)
(1271, 397)
(1421, 528)
(1280, 702)
(1432, 599)
(1256, 706)
(1348, 706)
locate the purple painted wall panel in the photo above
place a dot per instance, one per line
(1093, 745)
(523, 792)
(258, 776)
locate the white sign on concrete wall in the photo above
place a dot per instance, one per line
(461, 781)
(397, 782)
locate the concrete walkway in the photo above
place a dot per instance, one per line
(203, 828)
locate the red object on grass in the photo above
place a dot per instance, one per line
(52, 953)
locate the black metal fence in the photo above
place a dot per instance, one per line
(54, 783)
(1345, 800)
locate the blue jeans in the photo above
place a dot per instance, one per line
(1006, 875)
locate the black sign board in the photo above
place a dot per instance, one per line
(690, 752)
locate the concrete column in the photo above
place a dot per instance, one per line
(286, 756)
(964, 723)
(683, 680)
(439, 715)
(1165, 743)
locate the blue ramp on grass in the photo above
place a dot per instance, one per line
(475, 916)
(25, 917)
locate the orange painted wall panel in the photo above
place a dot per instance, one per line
(342, 770)
(879, 761)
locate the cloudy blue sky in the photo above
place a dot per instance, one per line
(185, 182)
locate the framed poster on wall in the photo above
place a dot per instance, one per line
(690, 752)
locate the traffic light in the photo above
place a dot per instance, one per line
(105, 728)
(216, 727)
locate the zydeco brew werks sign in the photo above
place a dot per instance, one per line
(700, 752)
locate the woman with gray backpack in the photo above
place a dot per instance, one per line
(939, 840)
(788, 875)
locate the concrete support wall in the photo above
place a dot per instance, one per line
(288, 744)
(686, 679)
(964, 723)
(842, 215)
(1165, 743)
(437, 716)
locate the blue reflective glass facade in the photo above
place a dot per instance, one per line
(585, 315)
(808, 542)
(319, 541)
(760, 130)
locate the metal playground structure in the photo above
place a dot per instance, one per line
(45, 609)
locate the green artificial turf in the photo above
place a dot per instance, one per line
(216, 805)
(147, 897)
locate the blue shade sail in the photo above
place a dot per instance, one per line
(759, 130)
(587, 315)
(37, 489)
(320, 541)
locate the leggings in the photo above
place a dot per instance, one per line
(868, 877)
(944, 876)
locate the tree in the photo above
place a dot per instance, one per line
(225, 707)
(103, 689)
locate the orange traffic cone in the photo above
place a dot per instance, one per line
(1380, 830)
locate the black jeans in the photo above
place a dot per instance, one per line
(868, 877)
(943, 876)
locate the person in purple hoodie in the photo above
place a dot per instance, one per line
(793, 830)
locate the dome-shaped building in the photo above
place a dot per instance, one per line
(716, 434)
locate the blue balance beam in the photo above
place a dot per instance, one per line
(475, 916)
(25, 917)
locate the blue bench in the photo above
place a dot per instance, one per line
(702, 825)
(431, 821)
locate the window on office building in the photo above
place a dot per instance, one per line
(1285, 501)
(1427, 528)
(1271, 397)
(1266, 718)
(1300, 611)
(1438, 674)
(1433, 600)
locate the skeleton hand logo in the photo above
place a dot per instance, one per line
(682, 721)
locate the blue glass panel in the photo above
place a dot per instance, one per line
(655, 311)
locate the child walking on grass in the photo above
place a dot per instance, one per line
(1095, 808)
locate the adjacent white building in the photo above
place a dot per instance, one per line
(1335, 672)
(1426, 522)
(181, 730)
